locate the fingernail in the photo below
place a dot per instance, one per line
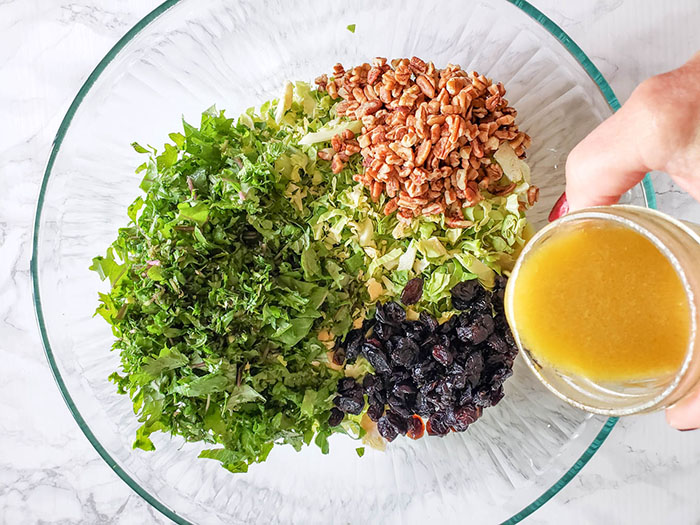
(560, 209)
(685, 429)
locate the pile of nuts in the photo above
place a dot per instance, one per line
(427, 137)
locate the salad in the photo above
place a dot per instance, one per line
(255, 294)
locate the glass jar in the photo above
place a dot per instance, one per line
(679, 242)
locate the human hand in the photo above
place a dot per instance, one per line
(658, 128)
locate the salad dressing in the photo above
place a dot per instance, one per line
(602, 302)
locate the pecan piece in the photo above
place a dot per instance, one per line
(423, 152)
(426, 86)
(369, 108)
(337, 165)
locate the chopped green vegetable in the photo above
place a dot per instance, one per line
(351, 28)
(218, 289)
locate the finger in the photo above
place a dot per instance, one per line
(685, 415)
(607, 162)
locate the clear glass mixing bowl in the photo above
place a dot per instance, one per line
(187, 55)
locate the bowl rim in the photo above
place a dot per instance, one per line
(550, 26)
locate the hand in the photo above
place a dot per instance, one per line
(658, 128)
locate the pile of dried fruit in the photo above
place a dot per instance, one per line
(428, 135)
(447, 373)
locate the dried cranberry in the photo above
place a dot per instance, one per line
(336, 417)
(352, 344)
(482, 397)
(398, 405)
(436, 425)
(499, 376)
(497, 344)
(405, 352)
(412, 292)
(482, 304)
(370, 383)
(459, 377)
(400, 422)
(376, 358)
(383, 331)
(415, 427)
(349, 405)
(449, 325)
(442, 355)
(386, 429)
(346, 384)
(466, 396)
(422, 406)
(465, 416)
(374, 412)
(496, 396)
(390, 313)
(428, 322)
(474, 333)
(473, 366)
(404, 388)
(425, 371)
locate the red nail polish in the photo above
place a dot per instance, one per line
(560, 209)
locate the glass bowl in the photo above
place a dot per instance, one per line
(187, 55)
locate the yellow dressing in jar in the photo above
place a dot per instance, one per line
(603, 302)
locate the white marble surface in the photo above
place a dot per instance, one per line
(645, 472)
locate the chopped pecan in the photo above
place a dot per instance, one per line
(337, 165)
(427, 135)
(325, 153)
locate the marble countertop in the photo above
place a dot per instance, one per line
(49, 473)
